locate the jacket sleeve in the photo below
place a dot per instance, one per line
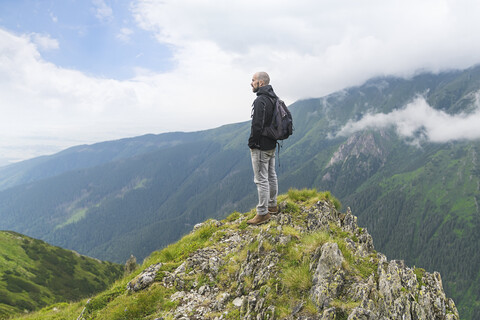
(258, 119)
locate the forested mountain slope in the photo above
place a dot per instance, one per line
(87, 156)
(34, 274)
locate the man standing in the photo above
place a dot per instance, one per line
(262, 149)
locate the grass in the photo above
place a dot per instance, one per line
(314, 240)
(59, 311)
(419, 273)
(297, 278)
(311, 196)
(184, 247)
(234, 216)
(138, 306)
(303, 195)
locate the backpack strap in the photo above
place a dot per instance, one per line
(278, 152)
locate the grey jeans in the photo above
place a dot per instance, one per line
(265, 177)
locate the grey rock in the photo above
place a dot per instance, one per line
(145, 279)
(238, 302)
(362, 314)
(328, 314)
(328, 277)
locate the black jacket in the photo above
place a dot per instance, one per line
(262, 114)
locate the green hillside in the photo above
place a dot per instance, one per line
(34, 274)
(141, 194)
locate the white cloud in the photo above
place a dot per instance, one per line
(315, 47)
(310, 48)
(420, 122)
(53, 17)
(124, 35)
(41, 99)
(102, 11)
(44, 41)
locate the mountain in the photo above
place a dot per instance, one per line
(87, 156)
(308, 262)
(34, 274)
(418, 199)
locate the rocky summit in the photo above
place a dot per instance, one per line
(309, 262)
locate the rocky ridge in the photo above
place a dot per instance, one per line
(308, 262)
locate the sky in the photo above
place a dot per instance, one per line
(84, 71)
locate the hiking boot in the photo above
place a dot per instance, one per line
(273, 210)
(259, 219)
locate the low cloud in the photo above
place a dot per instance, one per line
(420, 122)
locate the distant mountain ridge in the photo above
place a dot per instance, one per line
(418, 203)
(87, 156)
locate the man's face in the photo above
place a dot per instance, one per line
(255, 83)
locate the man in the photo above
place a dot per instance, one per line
(262, 149)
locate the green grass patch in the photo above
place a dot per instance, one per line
(101, 301)
(314, 240)
(135, 306)
(419, 273)
(243, 225)
(233, 216)
(233, 315)
(302, 195)
(59, 311)
(311, 196)
(184, 247)
(343, 308)
(297, 278)
(291, 207)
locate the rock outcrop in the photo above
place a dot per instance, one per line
(309, 262)
(256, 273)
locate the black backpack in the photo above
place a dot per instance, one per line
(282, 125)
